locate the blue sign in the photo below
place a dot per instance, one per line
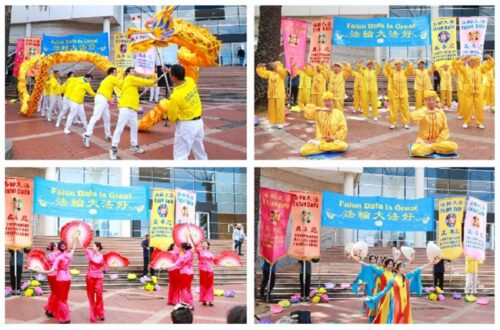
(377, 213)
(90, 201)
(93, 43)
(382, 31)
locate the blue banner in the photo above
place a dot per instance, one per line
(90, 201)
(377, 213)
(93, 43)
(382, 31)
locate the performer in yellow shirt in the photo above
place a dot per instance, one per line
(101, 105)
(336, 81)
(275, 92)
(66, 89)
(305, 84)
(331, 127)
(422, 82)
(318, 85)
(446, 86)
(370, 96)
(358, 89)
(489, 88)
(76, 99)
(54, 94)
(128, 104)
(472, 76)
(399, 104)
(433, 132)
(471, 276)
(389, 86)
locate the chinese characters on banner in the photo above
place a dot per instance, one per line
(382, 31)
(93, 43)
(321, 41)
(162, 218)
(472, 34)
(306, 226)
(18, 213)
(475, 229)
(275, 209)
(25, 49)
(90, 201)
(451, 214)
(377, 213)
(144, 62)
(294, 34)
(444, 39)
(185, 203)
(123, 58)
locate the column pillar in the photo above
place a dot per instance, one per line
(28, 29)
(125, 225)
(349, 177)
(420, 236)
(49, 223)
(106, 27)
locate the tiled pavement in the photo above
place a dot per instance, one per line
(369, 139)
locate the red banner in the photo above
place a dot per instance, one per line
(19, 56)
(294, 34)
(306, 226)
(275, 209)
(321, 41)
(18, 213)
(25, 49)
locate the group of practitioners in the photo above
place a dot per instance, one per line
(322, 92)
(66, 100)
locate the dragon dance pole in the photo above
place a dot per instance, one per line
(161, 63)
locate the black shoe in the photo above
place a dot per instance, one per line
(240, 254)
(66, 322)
(49, 314)
(211, 304)
(204, 303)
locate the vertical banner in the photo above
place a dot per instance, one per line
(185, 203)
(123, 58)
(144, 62)
(294, 34)
(25, 49)
(162, 218)
(475, 229)
(19, 56)
(306, 226)
(275, 207)
(321, 41)
(472, 34)
(444, 39)
(451, 215)
(18, 213)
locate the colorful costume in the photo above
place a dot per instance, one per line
(358, 89)
(471, 275)
(95, 284)
(52, 301)
(460, 93)
(489, 88)
(174, 294)
(63, 283)
(54, 95)
(185, 266)
(399, 91)
(389, 86)
(76, 99)
(275, 92)
(421, 84)
(66, 89)
(384, 304)
(205, 260)
(368, 276)
(336, 82)
(370, 96)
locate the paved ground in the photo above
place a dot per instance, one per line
(121, 306)
(423, 311)
(369, 139)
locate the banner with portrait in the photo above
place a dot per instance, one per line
(321, 41)
(162, 218)
(444, 39)
(472, 35)
(185, 206)
(475, 229)
(451, 215)
(294, 33)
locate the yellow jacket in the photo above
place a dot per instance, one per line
(472, 266)
(328, 123)
(54, 86)
(399, 79)
(460, 80)
(432, 127)
(304, 80)
(472, 77)
(318, 85)
(108, 85)
(422, 79)
(370, 76)
(445, 76)
(275, 81)
(79, 89)
(359, 82)
(489, 79)
(68, 85)
(336, 81)
(130, 92)
(46, 85)
(185, 102)
(388, 76)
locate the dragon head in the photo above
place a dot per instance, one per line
(162, 23)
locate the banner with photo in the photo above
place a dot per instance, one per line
(321, 41)
(185, 206)
(18, 213)
(444, 39)
(275, 207)
(294, 33)
(472, 35)
(451, 215)
(475, 228)
(162, 218)
(123, 58)
(25, 49)
(93, 43)
(144, 62)
(306, 226)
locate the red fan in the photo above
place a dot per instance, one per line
(228, 258)
(38, 263)
(163, 260)
(36, 252)
(114, 260)
(155, 253)
(183, 231)
(77, 229)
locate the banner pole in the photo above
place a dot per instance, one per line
(15, 270)
(161, 63)
(269, 282)
(304, 278)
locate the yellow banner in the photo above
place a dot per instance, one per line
(123, 58)
(444, 39)
(162, 218)
(451, 215)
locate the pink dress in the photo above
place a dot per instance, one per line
(185, 266)
(52, 301)
(205, 260)
(95, 284)
(173, 297)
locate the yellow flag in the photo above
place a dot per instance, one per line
(451, 215)
(162, 218)
(444, 40)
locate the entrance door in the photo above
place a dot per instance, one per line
(203, 220)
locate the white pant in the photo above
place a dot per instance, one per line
(128, 117)
(76, 110)
(154, 93)
(101, 108)
(65, 109)
(470, 283)
(54, 100)
(43, 103)
(189, 136)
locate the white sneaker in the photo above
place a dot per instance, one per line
(57, 124)
(48, 119)
(66, 131)
(279, 126)
(392, 126)
(112, 153)
(465, 125)
(137, 149)
(480, 126)
(270, 126)
(375, 119)
(407, 126)
(86, 141)
(460, 117)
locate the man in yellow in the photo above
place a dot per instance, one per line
(389, 86)
(370, 96)
(318, 85)
(445, 86)
(185, 109)
(66, 89)
(460, 93)
(101, 105)
(336, 81)
(489, 88)
(331, 127)
(275, 92)
(433, 132)
(54, 95)
(472, 76)
(399, 87)
(44, 100)
(358, 89)
(305, 83)
(422, 82)
(128, 104)
(76, 99)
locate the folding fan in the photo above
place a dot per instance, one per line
(163, 261)
(408, 252)
(183, 231)
(114, 260)
(433, 251)
(359, 250)
(228, 258)
(77, 229)
(38, 263)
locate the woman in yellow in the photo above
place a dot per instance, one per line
(433, 132)
(336, 81)
(445, 86)
(331, 128)
(358, 89)
(422, 82)
(460, 93)
(489, 88)
(385, 72)
(305, 83)
(399, 87)
(472, 76)
(54, 95)
(275, 92)
(318, 84)
(471, 274)
(370, 96)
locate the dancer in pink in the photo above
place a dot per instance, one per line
(185, 266)
(205, 260)
(174, 296)
(51, 306)
(95, 282)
